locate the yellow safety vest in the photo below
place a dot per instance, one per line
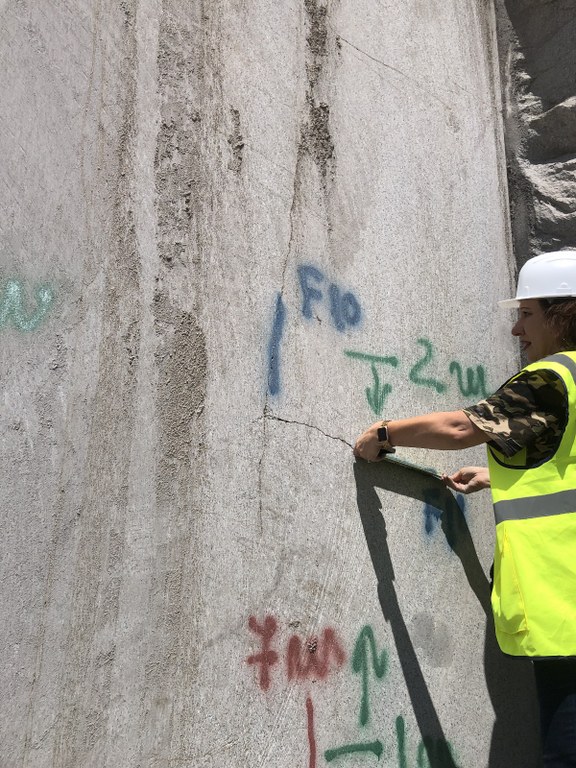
(534, 592)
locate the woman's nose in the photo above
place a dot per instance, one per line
(517, 329)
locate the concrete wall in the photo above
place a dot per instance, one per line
(233, 235)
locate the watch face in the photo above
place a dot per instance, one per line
(386, 446)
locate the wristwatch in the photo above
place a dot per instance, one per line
(383, 439)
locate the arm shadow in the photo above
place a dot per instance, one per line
(509, 681)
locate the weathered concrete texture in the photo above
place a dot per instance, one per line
(233, 234)
(538, 48)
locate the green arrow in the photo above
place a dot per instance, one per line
(366, 645)
(377, 394)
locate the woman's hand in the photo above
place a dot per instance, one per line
(468, 479)
(367, 446)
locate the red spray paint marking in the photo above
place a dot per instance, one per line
(266, 658)
(311, 737)
(313, 660)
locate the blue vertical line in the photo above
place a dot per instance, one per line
(274, 347)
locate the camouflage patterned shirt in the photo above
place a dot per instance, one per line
(530, 412)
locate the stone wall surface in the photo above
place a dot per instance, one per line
(539, 71)
(234, 233)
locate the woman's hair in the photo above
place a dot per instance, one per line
(560, 315)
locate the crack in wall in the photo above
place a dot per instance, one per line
(315, 142)
(412, 80)
(308, 426)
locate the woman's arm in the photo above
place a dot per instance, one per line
(449, 431)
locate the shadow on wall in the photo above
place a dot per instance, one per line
(510, 682)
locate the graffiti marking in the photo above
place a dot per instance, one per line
(12, 305)
(366, 645)
(401, 740)
(435, 753)
(311, 736)
(422, 363)
(274, 347)
(374, 746)
(377, 392)
(266, 658)
(313, 660)
(475, 383)
(344, 307)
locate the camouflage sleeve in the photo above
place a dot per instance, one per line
(531, 412)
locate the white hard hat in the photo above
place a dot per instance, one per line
(547, 276)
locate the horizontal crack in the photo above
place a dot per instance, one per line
(309, 426)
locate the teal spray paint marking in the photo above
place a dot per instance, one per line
(377, 393)
(472, 384)
(366, 644)
(416, 369)
(401, 739)
(393, 361)
(435, 753)
(475, 385)
(375, 747)
(12, 306)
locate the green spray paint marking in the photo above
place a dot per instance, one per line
(12, 306)
(435, 753)
(471, 383)
(401, 738)
(393, 360)
(378, 392)
(473, 387)
(375, 747)
(360, 663)
(422, 363)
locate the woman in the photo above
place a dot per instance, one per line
(529, 426)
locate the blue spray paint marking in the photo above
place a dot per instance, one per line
(432, 514)
(309, 293)
(432, 511)
(345, 310)
(274, 347)
(12, 306)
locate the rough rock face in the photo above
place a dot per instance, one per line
(539, 61)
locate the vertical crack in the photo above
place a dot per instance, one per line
(315, 141)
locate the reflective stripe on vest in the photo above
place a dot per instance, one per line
(564, 360)
(560, 503)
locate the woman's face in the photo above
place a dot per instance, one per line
(537, 339)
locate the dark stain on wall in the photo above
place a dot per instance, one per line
(182, 370)
(236, 142)
(316, 139)
(188, 162)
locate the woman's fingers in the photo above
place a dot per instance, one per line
(468, 479)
